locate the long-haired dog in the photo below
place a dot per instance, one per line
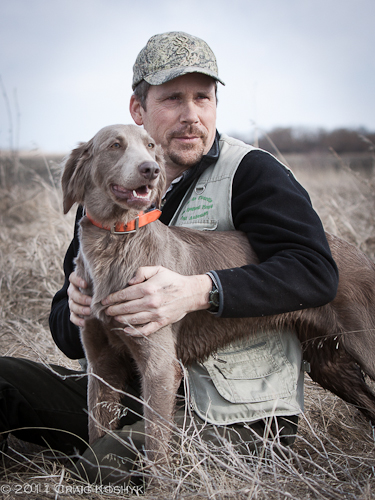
(116, 175)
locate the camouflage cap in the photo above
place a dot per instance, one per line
(169, 55)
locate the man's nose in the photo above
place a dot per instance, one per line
(189, 113)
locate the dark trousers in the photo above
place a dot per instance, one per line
(47, 405)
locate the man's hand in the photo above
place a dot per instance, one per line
(157, 297)
(79, 304)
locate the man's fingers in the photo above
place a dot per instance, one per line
(143, 274)
(77, 297)
(142, 330)
(123, 296)
(79, 309)
(141, 318)
(141, 303)
(79, 303)
(133, 292)
(74, 293)
(76, 281)
(77, 320)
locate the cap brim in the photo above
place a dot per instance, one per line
(170, 74)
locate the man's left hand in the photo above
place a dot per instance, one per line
(157, 297)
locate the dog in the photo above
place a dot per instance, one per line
(120, 172)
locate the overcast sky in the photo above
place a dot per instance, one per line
(67, 64)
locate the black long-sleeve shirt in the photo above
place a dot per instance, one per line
(296, 269)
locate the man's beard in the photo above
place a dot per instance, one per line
(187, 155)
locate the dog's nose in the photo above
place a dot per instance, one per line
(149, 169)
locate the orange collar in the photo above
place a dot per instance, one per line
(131, 227)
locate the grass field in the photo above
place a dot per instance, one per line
(334, 456)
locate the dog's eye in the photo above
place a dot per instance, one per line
(116, 145)
(151, 145)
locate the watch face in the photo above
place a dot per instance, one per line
(214, 299)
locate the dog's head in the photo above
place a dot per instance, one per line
(121, 168)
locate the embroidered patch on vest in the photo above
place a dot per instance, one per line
(198, 207)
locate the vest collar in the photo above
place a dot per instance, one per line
(174, 197)
(132, 226)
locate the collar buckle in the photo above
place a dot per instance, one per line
(136, 227)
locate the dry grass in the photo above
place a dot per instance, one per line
(333, 457)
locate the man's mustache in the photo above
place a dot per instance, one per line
(190, 131)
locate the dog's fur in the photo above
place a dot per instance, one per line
(338, 338)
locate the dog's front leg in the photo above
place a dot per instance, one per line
(108, 372)
(161, 378)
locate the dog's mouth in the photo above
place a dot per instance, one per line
(139, 196)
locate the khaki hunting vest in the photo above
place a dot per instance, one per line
(253, 378)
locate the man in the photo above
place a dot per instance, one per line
(214, 182)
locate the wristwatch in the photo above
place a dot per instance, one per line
(213, 297)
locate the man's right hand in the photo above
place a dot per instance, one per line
(79, 303)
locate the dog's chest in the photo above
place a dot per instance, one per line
(105, 256)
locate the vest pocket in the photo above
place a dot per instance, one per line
(261, 366)
(251, 373)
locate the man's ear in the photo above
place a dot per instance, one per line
(135, 109)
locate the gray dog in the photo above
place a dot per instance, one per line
(116, 175)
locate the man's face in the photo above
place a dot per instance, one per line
(181, 116)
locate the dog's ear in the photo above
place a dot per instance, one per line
(161, 188)
(76, 175)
